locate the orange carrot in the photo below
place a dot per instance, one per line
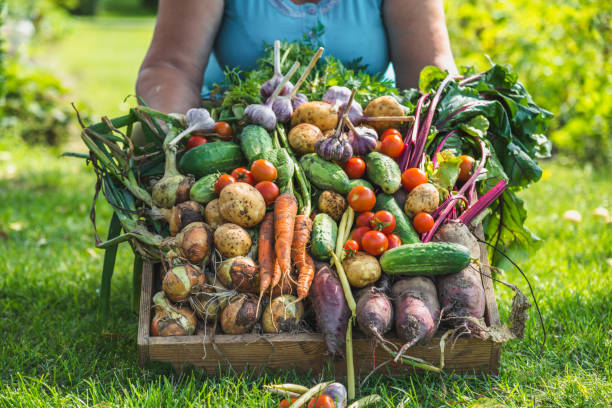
(301, 236)
(285, 210)
(265, 253)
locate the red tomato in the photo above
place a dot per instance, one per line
(351, 247)
(286, 403)
(394, 241)
(263, 170)
(243, 175)
(358, 234)
(361, 198)
(392, 146)
(268, 190)
(363, 219)
(224, 130)
(355, 167)
(383, 221)
(374, 242)
(322, 401)
(466, 167)
(423, 222)
(196, 140)
(413, 177)
(222, 181)
(390, 131)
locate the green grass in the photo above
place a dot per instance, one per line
(53, 351)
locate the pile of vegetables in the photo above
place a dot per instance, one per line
(273, 210)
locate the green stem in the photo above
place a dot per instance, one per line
(136, 281)
(110, 256)
(350, 367)
(346, 287)
(118, 122)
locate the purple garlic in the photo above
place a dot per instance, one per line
(363, 140)
(337, 95)
(298, 100)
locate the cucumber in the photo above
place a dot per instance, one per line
(324, 174)
(212, 157)
(425, 259)
(203, 190)
(254, 140)
(324, 236)
(384, 172)
(360, 182)
(403, 226)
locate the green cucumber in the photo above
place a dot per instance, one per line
(324, 174)
(203, 190)
(425, 259)
(254, 140)
(384, 172)
(324, 236)
(222, 157)
(403, 226)
(360, 182)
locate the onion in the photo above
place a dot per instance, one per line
(181, 281)
(195, 243)
(283, 314)
(170, 320)
(179, 215)
(239, 273)
(240, 315)
(173, 188)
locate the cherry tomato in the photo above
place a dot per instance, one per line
(383, 221)
(466, 167)
(361, 198)
(268, 190)
(392, 146)
(243, 175)
(224, 130)
(390, 131)
(363, 219)
(394, 241)
(358, 234)
(263, 170)
(222, 181)
(423, 222)
(286, 403)
(351, 247)
(322, 401)
(374, 242)
(355, 167)
(195, 140)
(413, 177)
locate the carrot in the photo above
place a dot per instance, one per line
(301, 236)
(265, 253)
(285, 210)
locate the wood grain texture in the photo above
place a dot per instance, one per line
(491, 312)
(303, 351)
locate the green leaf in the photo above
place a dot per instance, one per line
(445, 176)
(430, 78)
(477, 126)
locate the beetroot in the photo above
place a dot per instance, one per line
(416, 309)
(461, 294)
(374, 312)
(330, 307)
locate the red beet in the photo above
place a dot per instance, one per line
(330, 308)
(374, 312)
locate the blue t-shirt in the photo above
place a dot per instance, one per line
(352, 29)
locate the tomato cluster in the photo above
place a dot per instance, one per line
(261, 175)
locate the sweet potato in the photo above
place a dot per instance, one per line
(330, 307)
(461, 294)
(417, 310)
(374, 312)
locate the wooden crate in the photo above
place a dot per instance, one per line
(304, 352)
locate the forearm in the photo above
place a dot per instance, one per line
(167, 89)
(418, 37)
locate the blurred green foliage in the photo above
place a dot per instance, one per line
(562, 51)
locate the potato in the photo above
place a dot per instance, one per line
(423, 198)
(321, 114)
(361, 269)
(383, 106)
(303, 138)
(332, 204)
(212, 215)
(242, 204)
(232, 240)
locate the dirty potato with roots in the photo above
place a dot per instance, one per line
(232, 240)
(242, 204)
(212, 215)
(383, 106)
(332, 204)
(323, 115)
(423, 198)
(303, 138)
